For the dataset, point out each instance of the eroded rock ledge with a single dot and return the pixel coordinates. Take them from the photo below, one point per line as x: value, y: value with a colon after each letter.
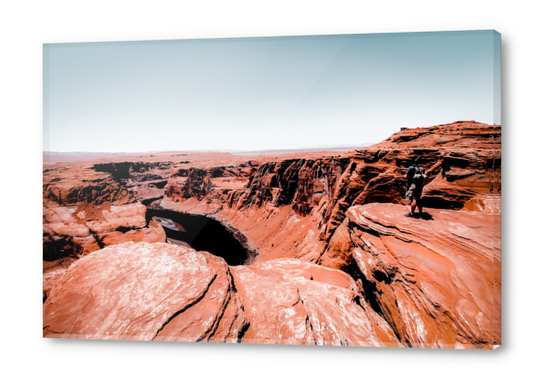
x: 145, y: 292
x: 300, y: 202
x: 165, y: 292
x: 338, y: 262
x: 436, y: 281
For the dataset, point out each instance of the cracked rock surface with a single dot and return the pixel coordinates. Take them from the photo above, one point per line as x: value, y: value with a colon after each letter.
x: 145, y: 292
x: 289, y: 301
x: 334, y: 260
x: 436, y: 281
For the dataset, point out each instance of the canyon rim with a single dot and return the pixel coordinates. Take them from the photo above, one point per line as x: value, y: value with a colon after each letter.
x: 258, y: 221
x: 302, y: 248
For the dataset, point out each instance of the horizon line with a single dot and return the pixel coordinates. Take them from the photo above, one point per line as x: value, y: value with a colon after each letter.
x: 233, y: 151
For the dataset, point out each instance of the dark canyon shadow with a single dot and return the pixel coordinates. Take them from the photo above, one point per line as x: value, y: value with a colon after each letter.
x: 201, y: 233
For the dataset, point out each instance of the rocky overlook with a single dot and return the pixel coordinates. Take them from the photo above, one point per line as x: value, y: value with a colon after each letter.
x: 333, y: 260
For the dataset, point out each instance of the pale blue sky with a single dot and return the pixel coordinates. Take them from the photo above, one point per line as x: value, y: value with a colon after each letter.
x: 264, y: 93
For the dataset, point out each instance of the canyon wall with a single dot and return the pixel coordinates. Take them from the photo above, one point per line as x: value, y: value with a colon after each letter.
x: 435, y: 280
x: 462, y: 162
x: 88, y: 207
x: 327, y: 233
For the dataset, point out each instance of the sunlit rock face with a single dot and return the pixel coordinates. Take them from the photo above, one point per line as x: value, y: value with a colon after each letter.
x: 90, y: 206
x: 288, y: 301
x: 333, y: 258
x: 435, y: 280
x: 164, y: 292
x: 145, y: 292
x: 299, y: 201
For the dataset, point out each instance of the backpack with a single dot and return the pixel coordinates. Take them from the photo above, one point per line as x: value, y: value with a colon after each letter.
x: 419, y: 173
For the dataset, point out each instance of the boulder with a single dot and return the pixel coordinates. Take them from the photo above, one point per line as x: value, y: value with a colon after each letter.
x: 84, y: 228
x: 288, y: 301
x: 435, y: 279
x: 145, y: 291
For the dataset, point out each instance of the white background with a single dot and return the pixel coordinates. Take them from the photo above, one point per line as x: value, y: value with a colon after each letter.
x: 25, y: 26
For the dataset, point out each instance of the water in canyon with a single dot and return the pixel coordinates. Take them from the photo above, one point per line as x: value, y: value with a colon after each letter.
x: 200, y: 233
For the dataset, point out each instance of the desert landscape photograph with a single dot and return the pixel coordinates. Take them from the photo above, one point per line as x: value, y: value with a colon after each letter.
x: 338, y: 190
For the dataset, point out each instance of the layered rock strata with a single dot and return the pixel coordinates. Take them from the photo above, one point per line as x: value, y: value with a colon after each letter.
x: 462, y: 161
x: 145, y: 292
x: 435, y: 280
x: 81, y: 198
x: 335, y: 259
x: 171, y: 293
x: 88, y: 207
x: 289, y: 301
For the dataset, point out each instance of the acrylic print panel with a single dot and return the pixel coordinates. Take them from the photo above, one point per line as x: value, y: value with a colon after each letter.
x: 329, y: 190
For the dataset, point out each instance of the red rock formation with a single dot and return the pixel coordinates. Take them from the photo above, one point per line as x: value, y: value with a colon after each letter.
x: 50, y: 279
x: 305, y: 209
x: 84, y: 228
x: 289, y: 301
x: 429, y: 282
x: 145, y: 292
x: 170, y: 293
x: 87, y: 207
x: 435, y: 280
x: 81, y: 199
x: 468, y: 160
x: 462, y: 161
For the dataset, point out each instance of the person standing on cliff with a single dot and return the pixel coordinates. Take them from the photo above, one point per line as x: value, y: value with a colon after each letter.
x: 416, y: 180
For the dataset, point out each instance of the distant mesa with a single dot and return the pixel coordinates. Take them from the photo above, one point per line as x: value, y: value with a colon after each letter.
x: 53, y: 156
x: 59, y: 157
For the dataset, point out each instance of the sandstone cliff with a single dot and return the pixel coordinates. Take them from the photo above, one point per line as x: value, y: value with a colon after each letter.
x: 88, y: 207
x: 333, y: 258
x: 435, y: 280
x: 462, y: 161
x: 145, y: 292
x: 170, y: 293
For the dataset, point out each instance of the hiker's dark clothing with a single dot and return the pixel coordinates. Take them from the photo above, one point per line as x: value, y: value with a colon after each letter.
x: 410, y: 173
x: 414, y: 192
x: 414, y: 186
